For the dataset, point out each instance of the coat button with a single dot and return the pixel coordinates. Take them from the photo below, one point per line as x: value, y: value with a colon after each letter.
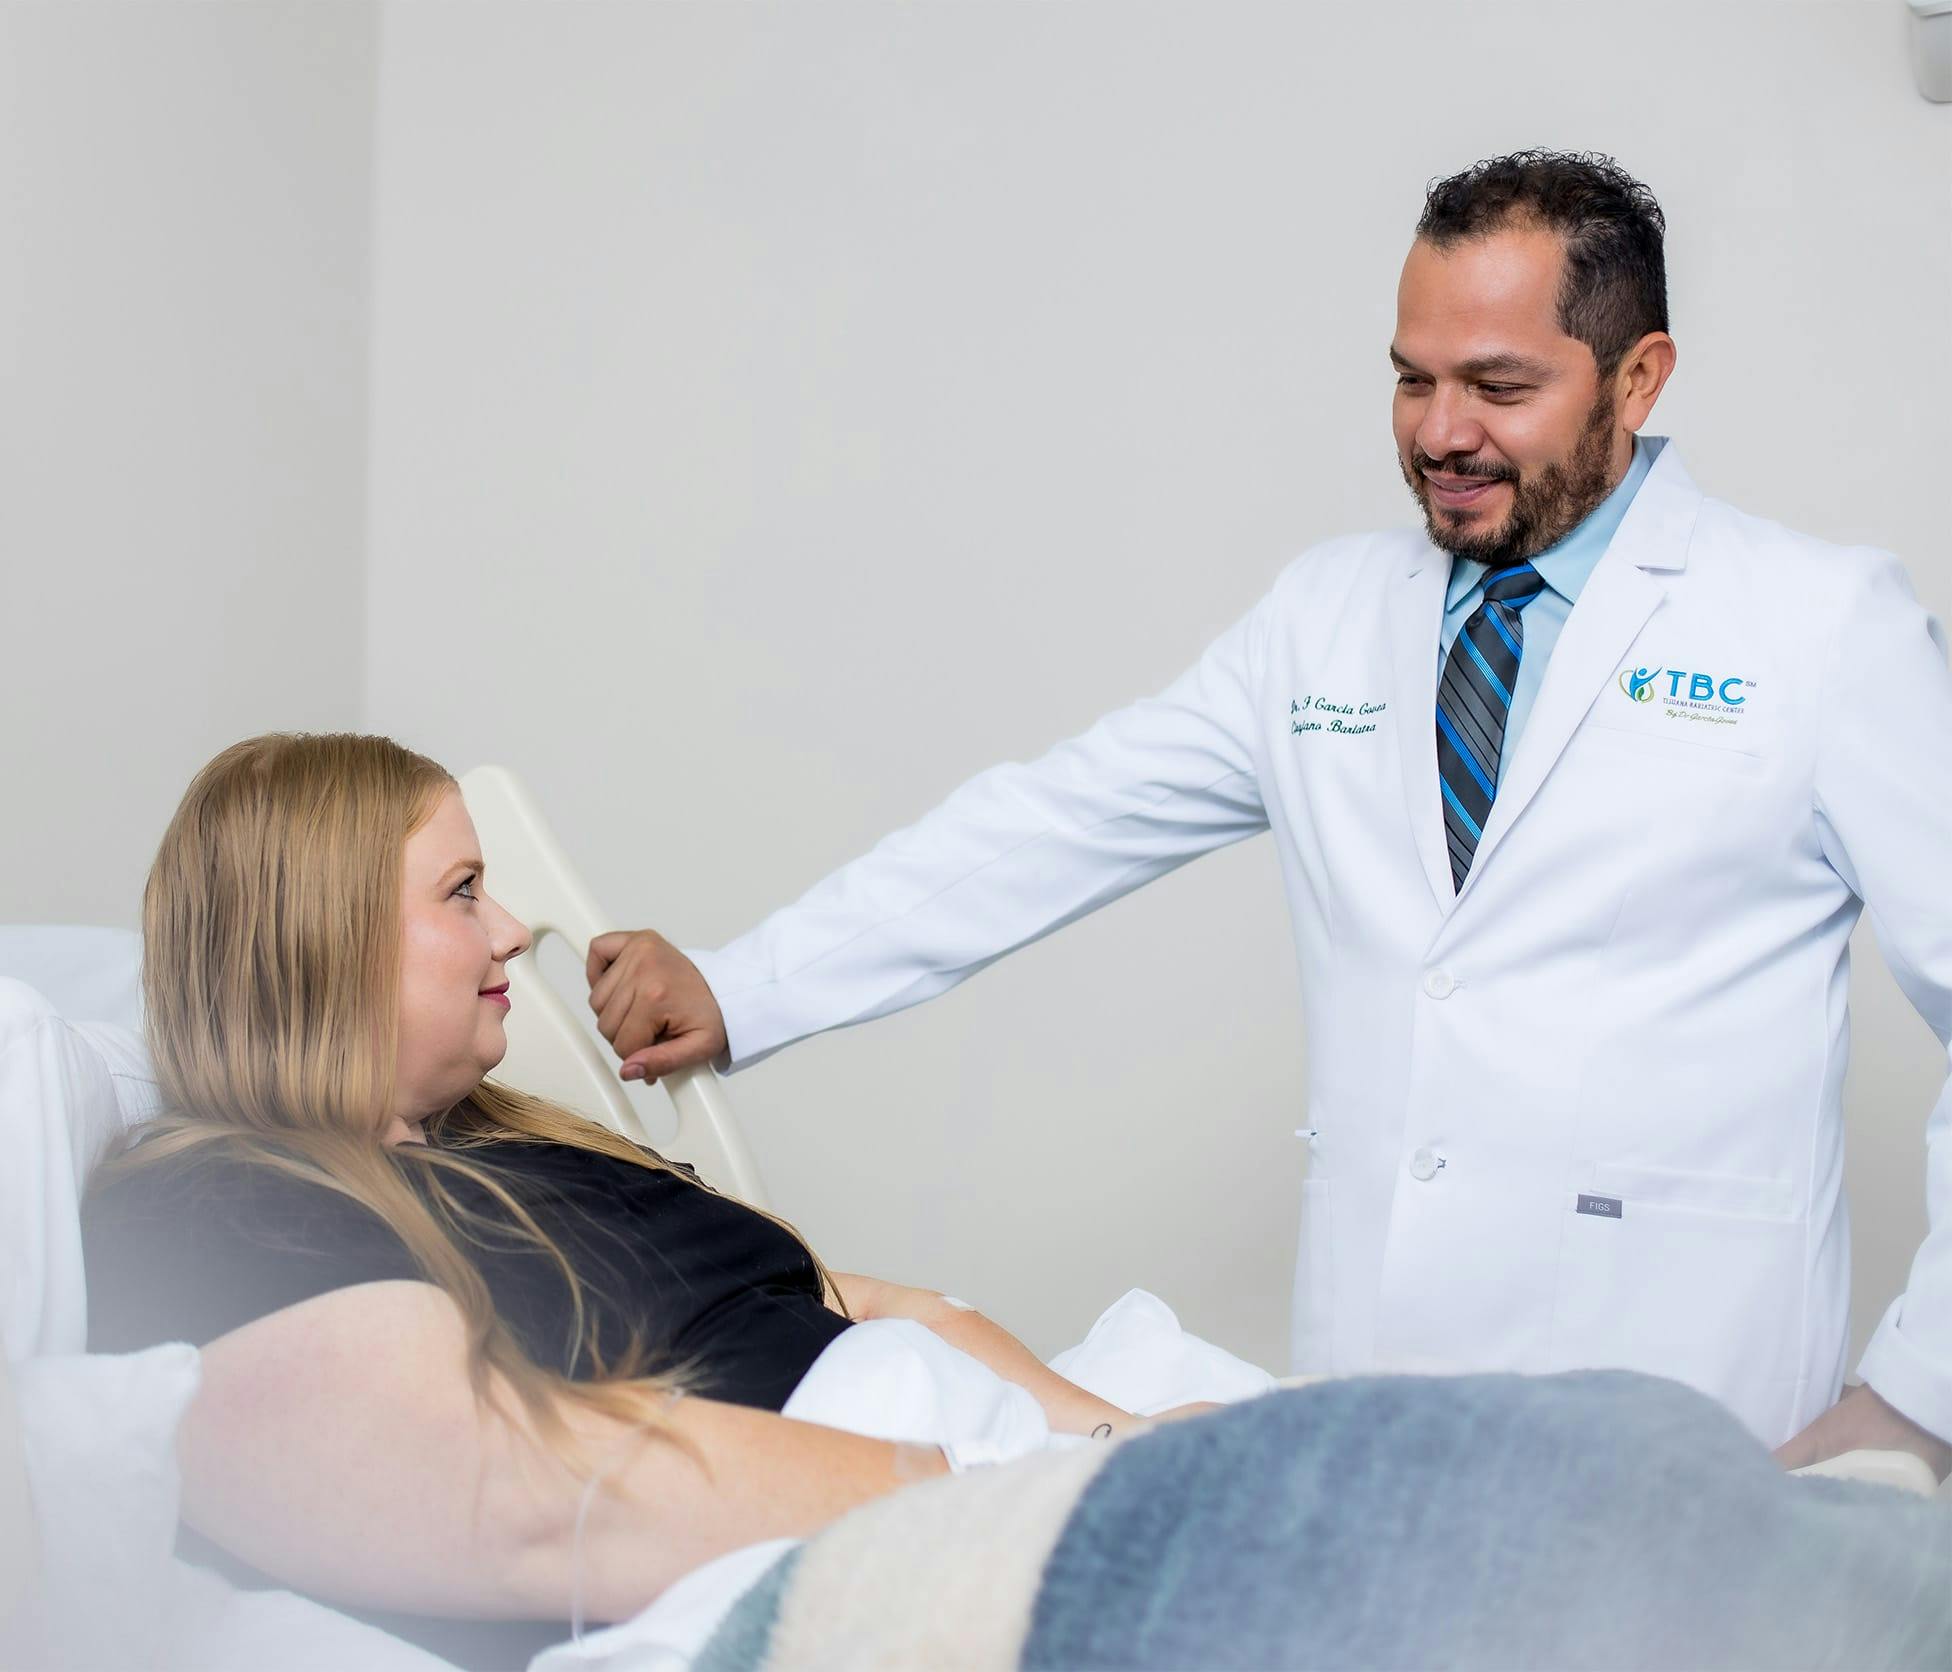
x: 1440, y: 984
x: 1423, y: 1166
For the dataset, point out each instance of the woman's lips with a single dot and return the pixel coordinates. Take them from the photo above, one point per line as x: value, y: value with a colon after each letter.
x: 496, y: 995
x: 1460, y: 493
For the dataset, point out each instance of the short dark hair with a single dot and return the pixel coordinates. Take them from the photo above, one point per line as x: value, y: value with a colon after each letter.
x: 1614, y: 288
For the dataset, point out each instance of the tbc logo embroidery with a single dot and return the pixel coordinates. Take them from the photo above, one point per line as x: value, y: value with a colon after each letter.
x: 1638, y: 683
x: 1677, y: 694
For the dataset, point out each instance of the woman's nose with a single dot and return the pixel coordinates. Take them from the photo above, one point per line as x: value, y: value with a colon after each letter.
x: 512, y: 937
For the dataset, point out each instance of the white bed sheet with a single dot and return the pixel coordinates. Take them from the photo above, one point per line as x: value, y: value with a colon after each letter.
x: 895, y: 1380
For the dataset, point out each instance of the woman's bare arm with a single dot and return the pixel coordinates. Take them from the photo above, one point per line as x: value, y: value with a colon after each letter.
x: 1070, y: 1409
x: 337, y: 1446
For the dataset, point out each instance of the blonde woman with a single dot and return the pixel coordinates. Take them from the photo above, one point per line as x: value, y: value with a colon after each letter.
x: 413, y: 1284
x: 433, y: 1311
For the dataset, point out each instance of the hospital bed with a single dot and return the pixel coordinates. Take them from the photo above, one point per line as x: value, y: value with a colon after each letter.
x: 553, y: 1051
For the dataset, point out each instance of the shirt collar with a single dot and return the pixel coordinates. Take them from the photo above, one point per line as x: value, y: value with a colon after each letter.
x: 1567, y: 564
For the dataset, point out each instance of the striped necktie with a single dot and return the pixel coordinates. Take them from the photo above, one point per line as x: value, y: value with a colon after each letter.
x: 1473, y: 702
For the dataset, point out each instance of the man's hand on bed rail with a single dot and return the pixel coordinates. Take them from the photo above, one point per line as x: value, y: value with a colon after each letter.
x: 652, y: 1004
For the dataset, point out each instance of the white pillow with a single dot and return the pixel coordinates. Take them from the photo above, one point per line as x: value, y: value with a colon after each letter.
x: 98, y: 1435
x: 59, y: 1111
x: 89, y: 974
x: 137, y: 1096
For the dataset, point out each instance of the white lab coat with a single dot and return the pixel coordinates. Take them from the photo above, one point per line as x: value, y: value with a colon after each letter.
x: 1638, y: 997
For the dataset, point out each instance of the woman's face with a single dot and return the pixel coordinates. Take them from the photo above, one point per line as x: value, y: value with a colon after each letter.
x: 455, y: 944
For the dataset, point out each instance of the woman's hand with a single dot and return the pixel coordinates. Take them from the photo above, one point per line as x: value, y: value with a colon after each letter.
x: 1067, y: 1407
x: 652, y: 1004
x: 1177, y: 1413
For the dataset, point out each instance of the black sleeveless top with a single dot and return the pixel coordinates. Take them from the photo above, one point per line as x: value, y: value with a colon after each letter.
x: 190, y: 1249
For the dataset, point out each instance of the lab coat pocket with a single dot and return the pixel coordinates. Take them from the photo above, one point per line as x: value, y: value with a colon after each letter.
x: 1677, y: 1274
x: 1673, y: 1187
x: 1314, y: 1317
x: 1641, y: 746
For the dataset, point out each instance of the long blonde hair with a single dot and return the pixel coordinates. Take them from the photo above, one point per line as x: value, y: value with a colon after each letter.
x: 270, y: 973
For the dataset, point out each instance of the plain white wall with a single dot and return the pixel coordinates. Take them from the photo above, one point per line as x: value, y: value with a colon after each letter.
x: 186, y: 191
x: 782, y: 412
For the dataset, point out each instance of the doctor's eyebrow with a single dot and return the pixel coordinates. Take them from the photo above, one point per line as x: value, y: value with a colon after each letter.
x: 1489, y: 365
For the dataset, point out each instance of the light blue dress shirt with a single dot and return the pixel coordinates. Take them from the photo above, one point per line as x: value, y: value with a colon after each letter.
x: 1565, y: 567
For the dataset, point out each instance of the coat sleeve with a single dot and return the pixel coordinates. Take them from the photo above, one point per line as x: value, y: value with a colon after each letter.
x: 1015, y: 853
x: 1884, y: 813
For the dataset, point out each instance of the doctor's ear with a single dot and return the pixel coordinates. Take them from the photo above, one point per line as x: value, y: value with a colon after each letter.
x: 1643, y: 374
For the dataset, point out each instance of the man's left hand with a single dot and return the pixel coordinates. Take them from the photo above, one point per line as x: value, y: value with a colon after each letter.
x: 1861, y: 1421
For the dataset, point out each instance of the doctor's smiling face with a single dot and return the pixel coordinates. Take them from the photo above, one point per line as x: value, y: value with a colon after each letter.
x: 1531, y: 344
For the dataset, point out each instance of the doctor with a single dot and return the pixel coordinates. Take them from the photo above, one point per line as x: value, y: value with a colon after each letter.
x: 1578, y: 792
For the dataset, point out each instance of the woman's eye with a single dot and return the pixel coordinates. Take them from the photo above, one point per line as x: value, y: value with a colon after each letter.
x: 465, y: 888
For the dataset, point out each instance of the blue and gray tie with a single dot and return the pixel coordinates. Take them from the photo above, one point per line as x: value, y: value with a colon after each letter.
x: 1473, y: 702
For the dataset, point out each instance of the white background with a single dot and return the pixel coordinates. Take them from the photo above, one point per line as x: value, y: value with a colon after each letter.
x: 749, y: 421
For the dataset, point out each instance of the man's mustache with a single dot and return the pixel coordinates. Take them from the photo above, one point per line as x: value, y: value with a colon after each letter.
x: 1421, y: 461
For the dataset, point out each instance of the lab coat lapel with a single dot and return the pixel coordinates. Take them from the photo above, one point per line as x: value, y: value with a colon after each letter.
x: 1416, y: 617
x: 1623, y: 591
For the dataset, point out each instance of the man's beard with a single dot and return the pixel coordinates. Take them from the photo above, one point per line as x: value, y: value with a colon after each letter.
x: 1545, y: 508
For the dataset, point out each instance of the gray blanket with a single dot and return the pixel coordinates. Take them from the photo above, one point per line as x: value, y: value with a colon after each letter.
x: 1600, y: 1519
